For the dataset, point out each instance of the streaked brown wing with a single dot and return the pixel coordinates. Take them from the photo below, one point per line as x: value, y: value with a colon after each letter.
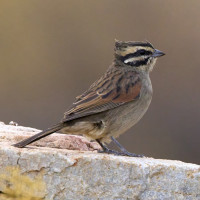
x: 106, y: 93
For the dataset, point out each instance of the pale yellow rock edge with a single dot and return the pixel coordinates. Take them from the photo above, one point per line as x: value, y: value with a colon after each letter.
x: 60, y: 174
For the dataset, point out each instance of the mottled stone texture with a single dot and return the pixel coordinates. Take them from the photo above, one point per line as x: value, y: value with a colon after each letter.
x: 76, y: 174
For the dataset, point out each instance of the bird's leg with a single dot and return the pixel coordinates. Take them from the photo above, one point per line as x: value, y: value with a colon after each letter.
x: 123, y: 150
x: 109, y: 151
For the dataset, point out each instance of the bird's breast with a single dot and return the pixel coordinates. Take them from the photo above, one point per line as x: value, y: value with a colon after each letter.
x: 124, y: 117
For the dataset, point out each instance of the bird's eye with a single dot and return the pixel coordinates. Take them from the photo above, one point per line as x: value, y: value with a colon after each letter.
x: 142, y: 52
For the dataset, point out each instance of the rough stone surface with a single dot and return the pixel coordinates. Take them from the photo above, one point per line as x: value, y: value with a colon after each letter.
x: 75, y: 174
x: 15, y: 133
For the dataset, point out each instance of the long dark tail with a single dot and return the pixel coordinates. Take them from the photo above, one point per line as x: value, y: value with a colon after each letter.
x: 38, y: 136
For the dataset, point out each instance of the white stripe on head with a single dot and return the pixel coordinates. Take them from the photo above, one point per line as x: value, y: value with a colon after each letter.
x: 132, y: 59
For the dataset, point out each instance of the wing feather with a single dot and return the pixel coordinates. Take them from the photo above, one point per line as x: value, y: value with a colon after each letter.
x: 106, y: 93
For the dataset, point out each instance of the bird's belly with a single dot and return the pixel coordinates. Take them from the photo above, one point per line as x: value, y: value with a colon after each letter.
x: 88, y: 128
x: 124, y: 117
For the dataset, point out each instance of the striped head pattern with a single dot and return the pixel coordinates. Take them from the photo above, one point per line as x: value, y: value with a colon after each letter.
x: 141, y: 55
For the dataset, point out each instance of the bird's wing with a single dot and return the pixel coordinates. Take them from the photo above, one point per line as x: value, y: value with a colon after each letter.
x: 106, y: 93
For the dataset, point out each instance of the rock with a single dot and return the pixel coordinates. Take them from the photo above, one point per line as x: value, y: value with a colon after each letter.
x: 17, y: 133
x: 61, y: 174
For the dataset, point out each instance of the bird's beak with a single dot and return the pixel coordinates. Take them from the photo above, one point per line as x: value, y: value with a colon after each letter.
x: 157, y: 53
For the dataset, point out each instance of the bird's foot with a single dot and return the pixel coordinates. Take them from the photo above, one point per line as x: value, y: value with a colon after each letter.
x: 123, y: 151
x: 132, y: 154
x: 117, y: 153
x: 110, y: 151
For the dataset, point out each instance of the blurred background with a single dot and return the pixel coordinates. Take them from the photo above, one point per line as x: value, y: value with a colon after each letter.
x: 51, y: 51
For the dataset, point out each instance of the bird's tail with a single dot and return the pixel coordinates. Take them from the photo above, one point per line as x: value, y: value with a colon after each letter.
x: 38, y: 136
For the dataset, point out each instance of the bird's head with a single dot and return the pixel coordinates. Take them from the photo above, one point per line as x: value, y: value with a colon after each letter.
x: 138, y: 55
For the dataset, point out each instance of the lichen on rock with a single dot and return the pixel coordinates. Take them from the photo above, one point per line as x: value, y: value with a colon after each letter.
x: 16, y: 186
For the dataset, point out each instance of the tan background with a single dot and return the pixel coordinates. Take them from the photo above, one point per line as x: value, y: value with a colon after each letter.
x: 51, y: 51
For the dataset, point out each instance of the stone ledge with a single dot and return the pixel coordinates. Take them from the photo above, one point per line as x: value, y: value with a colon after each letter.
x: 60, y: 141
x: 78, y: 174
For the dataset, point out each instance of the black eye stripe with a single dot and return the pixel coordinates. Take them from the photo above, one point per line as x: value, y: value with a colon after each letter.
x: 142, y: 52
x: 139, y: 53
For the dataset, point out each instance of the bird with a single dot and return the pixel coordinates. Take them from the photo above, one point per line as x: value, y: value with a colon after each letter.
x: 113, y: 103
